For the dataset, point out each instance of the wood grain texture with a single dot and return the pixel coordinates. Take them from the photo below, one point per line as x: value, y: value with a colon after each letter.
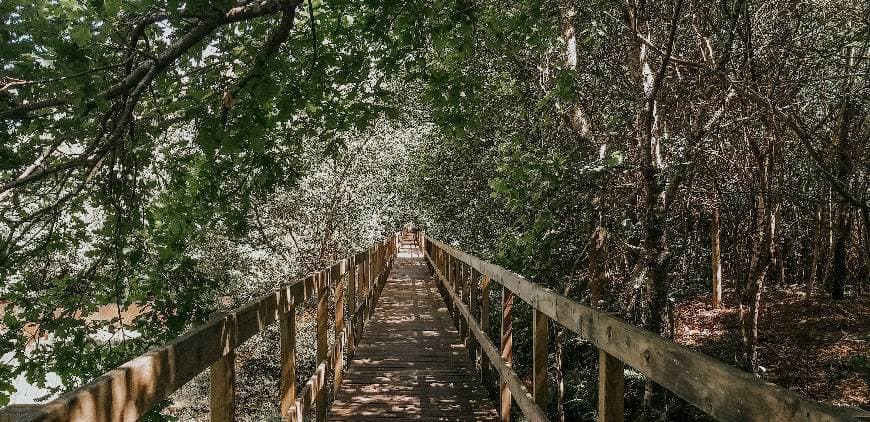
x: 287, y: 395
x: 485, y: 293
x: 411, y: 363
x: 507, y: 351
x: 222, y: 379
x: 322, y: 314
x: 611, y: 388
x: 518, y: 390
x: 540, y: 338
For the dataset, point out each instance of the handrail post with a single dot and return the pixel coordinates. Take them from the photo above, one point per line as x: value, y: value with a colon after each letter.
x: 448, y: 273
x: 223, y: 375
x: 540, y: 337
x: 611, y: 388
x: 473, y: 298
x: 457, y: 288
x: 462, y: 289
x: 507, y: 346
x: 484, y: 325
x: 322, y: 311
x: 364, y: 292
x: 287, y: 322
x: 370, y: 281
x: 351, y: 308
x: 338, y: 355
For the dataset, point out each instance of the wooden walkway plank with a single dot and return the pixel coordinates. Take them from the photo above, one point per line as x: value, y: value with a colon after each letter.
x: 411, y: 364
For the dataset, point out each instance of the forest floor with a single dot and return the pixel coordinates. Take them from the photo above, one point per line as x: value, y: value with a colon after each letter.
x: 818, y: 348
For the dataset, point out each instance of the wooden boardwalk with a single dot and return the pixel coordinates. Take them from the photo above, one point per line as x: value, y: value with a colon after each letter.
x: 411, y: 363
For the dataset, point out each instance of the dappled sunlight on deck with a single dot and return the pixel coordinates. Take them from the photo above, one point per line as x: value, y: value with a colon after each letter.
x: 411, y: 363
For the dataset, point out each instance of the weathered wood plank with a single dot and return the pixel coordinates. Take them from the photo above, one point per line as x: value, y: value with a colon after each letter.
x: 322, y: 313
x: 540, y: 338
x: 473, y: 305
x: 411, y: 365
x: 312, y: 389
x: 519, y: 392
x: 222, y: 377
x: 507, y: 351
x: 351, y: 306
x: 611, y: 390
x: 485, y: 295
x: 19, y: 412
x: 287, y: 394
x: 338, y: 359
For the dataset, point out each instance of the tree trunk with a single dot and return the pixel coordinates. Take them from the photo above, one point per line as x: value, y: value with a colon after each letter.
x: 655, y: 257
x: 715, y: 259
x: 762, y: 250
x: 750, y: 302
x: 840, y: 230
x: 575, y: 115
x: 597, y: 266
x: 817, y: 247
x: 839, y: 272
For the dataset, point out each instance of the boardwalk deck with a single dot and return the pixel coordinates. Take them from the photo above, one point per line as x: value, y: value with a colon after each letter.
x: 411, y: 363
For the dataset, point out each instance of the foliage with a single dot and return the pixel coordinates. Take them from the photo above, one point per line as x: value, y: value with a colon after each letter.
x: 171, y: 155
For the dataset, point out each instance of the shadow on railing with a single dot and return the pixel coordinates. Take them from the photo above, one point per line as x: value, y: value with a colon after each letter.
x: 722, y: 391
x: 134, y: 388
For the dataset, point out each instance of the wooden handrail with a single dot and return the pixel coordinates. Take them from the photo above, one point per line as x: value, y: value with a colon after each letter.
x: 129, y: 391
x: 720, y: 390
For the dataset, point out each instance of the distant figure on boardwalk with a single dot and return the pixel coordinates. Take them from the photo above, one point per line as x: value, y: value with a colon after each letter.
x: 409, y: 229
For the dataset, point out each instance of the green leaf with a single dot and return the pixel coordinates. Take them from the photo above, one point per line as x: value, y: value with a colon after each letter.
x: 614, y: 159
x: 81, y: 34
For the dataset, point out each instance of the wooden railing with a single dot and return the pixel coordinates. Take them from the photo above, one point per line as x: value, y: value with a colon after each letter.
x: 134, y: 388
x: 722, y: 391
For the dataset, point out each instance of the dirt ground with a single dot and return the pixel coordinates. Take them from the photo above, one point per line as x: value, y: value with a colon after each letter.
x: 819, y: 348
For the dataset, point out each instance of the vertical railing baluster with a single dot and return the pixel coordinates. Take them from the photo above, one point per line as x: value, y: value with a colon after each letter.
x: 460, y: 293
x: 322, y: 311
x: 339, y: 340
x: 507, y: 346
x: 370, y: 281
x: 484, y: 325
x: 223, y: 375
x: 540, y: 337
x: 457, y: 280
x: 466, y: 294
x: 351, y: 306
x: 364, y: 292
x: 287, y: 327
x: 473, y: 298
x: 611, y: 388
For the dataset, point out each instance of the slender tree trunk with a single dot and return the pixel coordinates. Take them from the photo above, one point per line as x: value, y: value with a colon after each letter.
x: 829, y: 242
x: 656, y: 256
x: 597, y: 266
x: 715, y: 261
x: 750, y: 303
x: 839, y: 271
x: 762, y: 250
x: 575, y: 115
x: 817, y: 247
x: 780, y: 247
x: 841, y: 223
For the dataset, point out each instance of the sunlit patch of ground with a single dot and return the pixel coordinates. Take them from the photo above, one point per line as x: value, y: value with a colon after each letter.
x: 819, y: 348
